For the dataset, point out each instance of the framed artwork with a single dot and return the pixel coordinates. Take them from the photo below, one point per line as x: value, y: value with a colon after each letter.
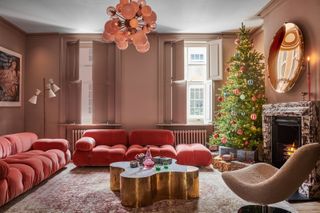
x: 10, y: 78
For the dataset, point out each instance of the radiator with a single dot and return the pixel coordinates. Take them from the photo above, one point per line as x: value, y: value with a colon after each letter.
x: 190, y: 136
x: 76, y: 134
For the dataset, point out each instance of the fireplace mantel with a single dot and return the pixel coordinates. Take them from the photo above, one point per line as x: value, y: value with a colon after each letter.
x: 308, y: 111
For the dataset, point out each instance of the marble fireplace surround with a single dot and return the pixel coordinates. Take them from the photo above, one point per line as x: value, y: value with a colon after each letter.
x: 308, y: 111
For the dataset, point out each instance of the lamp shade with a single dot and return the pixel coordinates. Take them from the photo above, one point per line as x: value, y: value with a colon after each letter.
x: 33, y: 99
x: 51, y: 94
x: 55, y: 88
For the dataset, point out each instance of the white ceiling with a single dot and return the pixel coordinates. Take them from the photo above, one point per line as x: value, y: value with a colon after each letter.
x: 174, y: 16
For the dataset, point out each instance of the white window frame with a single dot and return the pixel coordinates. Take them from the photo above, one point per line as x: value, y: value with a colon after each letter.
x: 206, y: 84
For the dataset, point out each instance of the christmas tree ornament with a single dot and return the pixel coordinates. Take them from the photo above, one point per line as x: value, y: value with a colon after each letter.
x: 250, y: 82
x: 254, y: 98
x: 246, y: 143
x: 224, y: 140
x: 253, y: 116
x: 236, y: 91
x: 242, y: 97
x: 237, y: 41
x: 243, y: 113
x: 216, y: 135
x: 253, y: 128
x: 240, y: 132
x: 225, y: 94
x: 220, y: 99
x: 242, y: 69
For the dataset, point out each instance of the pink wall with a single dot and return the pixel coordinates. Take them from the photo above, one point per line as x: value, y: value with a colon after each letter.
x: 11, y: 118
x: 306, y: 15
x: 43, y: 61
x: 139, y: 87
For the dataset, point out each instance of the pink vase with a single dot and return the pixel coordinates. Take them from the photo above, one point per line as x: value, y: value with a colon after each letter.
x: 148, y: 162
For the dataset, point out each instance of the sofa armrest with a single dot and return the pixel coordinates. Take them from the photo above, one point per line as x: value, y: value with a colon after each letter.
x: 47, y: 144
x: 4, y: 169
x: 85, y: 144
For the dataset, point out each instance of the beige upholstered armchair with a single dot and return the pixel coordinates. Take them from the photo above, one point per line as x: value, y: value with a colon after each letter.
x: 264, y: 184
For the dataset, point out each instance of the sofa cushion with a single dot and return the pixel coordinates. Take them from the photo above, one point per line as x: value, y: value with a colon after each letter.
x: 155, y: 137
x: 46, y: 144
x: 163, y: 151
x: 109, y: 137
x: 21, y: 142
x: 4, y: 169
x: 193, y: 154
x: 104, y: 155
x: 5, y: 147
x: 85, y: 144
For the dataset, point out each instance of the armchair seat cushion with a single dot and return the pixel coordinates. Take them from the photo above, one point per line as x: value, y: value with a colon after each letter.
x: 47, y: 144
x: 164, y: 151
x: 85, y: 144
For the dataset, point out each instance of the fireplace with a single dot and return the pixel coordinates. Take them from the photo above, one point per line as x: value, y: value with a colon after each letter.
x: 287, y: 126
x: 286, y: 138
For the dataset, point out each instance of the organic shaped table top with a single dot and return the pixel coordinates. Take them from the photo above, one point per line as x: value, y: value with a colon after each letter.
x: 141, y: 187
x: 140, y: 172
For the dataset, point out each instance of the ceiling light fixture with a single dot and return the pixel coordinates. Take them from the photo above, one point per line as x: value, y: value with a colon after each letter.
x: 131, y: 21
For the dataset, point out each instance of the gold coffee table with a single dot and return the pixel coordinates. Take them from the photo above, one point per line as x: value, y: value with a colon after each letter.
x: 141, y: 187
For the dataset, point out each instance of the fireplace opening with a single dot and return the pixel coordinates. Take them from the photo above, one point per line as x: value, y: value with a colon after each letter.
x: 286, y: 138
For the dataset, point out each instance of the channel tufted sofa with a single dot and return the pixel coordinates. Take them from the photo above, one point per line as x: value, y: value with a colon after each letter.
x: 25, y: 161
x: 100, y: 147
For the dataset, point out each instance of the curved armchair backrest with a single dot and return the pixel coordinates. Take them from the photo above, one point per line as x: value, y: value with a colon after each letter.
x: 296, y: 170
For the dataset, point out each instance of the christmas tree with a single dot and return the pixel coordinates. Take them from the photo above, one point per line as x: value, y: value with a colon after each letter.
x: 238, y: 119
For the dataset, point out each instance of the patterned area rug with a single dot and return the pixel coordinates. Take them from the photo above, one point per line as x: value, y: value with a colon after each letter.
x: 87, y: 190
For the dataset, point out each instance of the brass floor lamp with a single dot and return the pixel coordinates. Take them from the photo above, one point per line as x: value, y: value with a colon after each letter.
x: 50, y: 90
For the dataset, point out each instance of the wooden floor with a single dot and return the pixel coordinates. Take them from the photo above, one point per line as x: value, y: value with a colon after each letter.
x: 307, y: 207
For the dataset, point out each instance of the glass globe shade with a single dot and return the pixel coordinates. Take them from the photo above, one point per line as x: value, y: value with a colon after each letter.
x: 123, y: 2
x: 122, y: 45
x: 111, y: 11
x: 135, y: 6
x: 110, y: 27
x: 150, y: 19
x: 134, y: 23
x: 119, y: 7
x: 143, y: 49
x: 146, y: 11
x: 139, y: 38
x: 128, y: 11
x: 107, y: 37
x: 120, y: 37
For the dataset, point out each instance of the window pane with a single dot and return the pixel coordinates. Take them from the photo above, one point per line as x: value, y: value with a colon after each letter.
x: 85, y: 72
x: 196, y: 101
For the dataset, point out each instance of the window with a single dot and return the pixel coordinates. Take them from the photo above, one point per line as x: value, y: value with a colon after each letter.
x: 85, y: 75
x: 199, y: 100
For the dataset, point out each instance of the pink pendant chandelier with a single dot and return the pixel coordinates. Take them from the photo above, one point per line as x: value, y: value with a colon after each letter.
x: 131, y: 21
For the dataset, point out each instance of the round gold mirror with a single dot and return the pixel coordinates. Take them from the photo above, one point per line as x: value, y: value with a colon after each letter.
x: 285, y: 57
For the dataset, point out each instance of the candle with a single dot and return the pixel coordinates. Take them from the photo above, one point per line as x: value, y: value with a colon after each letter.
x: 309, y: 79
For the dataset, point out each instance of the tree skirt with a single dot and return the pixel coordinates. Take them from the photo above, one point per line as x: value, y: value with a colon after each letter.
x: 87, y: 190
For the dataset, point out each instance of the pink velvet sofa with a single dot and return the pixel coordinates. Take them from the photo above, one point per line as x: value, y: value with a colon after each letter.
x: 25, y: 161
x: 101, y: 147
